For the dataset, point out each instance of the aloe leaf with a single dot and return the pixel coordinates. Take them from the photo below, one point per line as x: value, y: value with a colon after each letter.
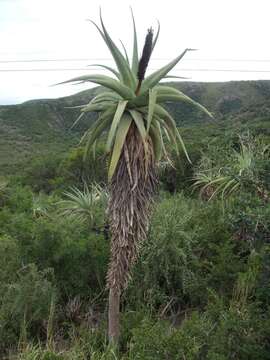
x: 137, y: 117
x: 116, y: 73
x: 170, y: 124
x: 217, y: 191
x: 151, y: 107
x: 154, y: 78
x: 120, y: 138
x: 157, y: 124
x: 76, y: 121
x: 125, y: 51
x: 106, y: 81
x: 227, y: 186
x: 156, y: 37
x: 96, y: 130
x: 176, y: 77
x: 135, y: 56
x: 116, y: 119
x: 106, y: 96
x: 170, y: 134
x: 166, y: 93
x: 122, y: 65
x: 156, y: 141
x: 95, y: 107
x: 179, y: 137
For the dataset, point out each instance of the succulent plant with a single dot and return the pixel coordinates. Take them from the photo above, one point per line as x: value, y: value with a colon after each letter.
x: 132, y: 115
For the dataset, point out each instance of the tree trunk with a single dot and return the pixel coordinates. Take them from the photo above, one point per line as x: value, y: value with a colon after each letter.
x: 132, y: 191
x: 114, y: 316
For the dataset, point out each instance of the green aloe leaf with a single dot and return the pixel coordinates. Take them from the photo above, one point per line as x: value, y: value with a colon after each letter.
x: 166, y: 93
x: 138, y: 119
x: 116, y: 73
x: 156, y: 124
x: 116, y: 119
x: 106, y: 81
x: 151, y: 107
x: 154, y: 78
x: 122, y: 65
x: 156, y: 37
x: 170, y: 134
x: 125, y: 51
x: 155, y: 137
x: 95, y: 107
x: 77, y: 120
x: 120, y: 138
x: 97, y: 129
x: 106, y: 96
x: 176, y: 77
x: 171, y: 127
x: 179, y: 137
x: 135, y: 56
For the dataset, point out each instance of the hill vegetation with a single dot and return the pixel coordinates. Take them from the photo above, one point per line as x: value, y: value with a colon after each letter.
x: 201, y: 288
x: 41, y: 126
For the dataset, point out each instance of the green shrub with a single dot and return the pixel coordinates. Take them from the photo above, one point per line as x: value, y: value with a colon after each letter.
x: 189, y: 249
x: 25, y: 305
x: 9, y: 262
x: 76, y: 171
x: 42, y: 172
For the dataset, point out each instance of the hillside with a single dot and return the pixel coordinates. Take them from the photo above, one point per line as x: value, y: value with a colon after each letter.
x: 39, y: 126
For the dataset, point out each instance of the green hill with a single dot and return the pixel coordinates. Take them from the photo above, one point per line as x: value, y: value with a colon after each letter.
x: 42, y: 126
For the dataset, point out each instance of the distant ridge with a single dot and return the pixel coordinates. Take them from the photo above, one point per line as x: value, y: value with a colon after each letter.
x: 40, y: 125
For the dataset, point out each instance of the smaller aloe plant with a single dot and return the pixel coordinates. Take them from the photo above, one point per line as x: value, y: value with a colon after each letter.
x: 224, y: 181
x: 80, y: 205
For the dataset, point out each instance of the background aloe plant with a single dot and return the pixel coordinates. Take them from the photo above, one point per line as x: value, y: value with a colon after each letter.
x: 136, y: 123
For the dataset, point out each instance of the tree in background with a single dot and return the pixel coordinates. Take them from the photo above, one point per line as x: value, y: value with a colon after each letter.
x: 131, y: 113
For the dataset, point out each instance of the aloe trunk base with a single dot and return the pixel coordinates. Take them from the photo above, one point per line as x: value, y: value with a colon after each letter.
x: 132, y: 192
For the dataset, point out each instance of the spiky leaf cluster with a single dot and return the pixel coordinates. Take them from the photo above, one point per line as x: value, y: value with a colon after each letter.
x: 132, y: 100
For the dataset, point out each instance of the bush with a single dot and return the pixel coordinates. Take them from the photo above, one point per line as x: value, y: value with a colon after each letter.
x: 25, y: 305
x: 10, y: 262
x: 189, y: 249
x: 76, y: 171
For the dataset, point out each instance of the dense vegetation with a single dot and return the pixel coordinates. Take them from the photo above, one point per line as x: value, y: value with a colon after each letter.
x: 201, y: 288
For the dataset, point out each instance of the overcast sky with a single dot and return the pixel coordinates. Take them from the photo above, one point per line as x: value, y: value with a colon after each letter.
x: 232, y: 37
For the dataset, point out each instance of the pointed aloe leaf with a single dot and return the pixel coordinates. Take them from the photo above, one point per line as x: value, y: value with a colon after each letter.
x: 227, y: 186
x: 176, y: 77
x: 158, y: 127
x: 122, y: 65
x: 154, y: 78
x: 171, y: 135
x: 113, y: 71
x: 95, y: 107
x: 156, y: 37
x: 138, y: 119
x: 125, y: 51
x: 98, y: 127
x: 76, y: 121
x: 106, y: 96
x: 116, y: 119
x: 166, y: 93
x: 120, y: 138
x: 178, y: 135
x: 106, y: 81
x: 151, y: 107
x: 171, y: 127
x: 156, y: 141
x: 135, y: 56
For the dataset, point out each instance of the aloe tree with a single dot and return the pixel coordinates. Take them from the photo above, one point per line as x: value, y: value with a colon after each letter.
x: 131, y: 113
